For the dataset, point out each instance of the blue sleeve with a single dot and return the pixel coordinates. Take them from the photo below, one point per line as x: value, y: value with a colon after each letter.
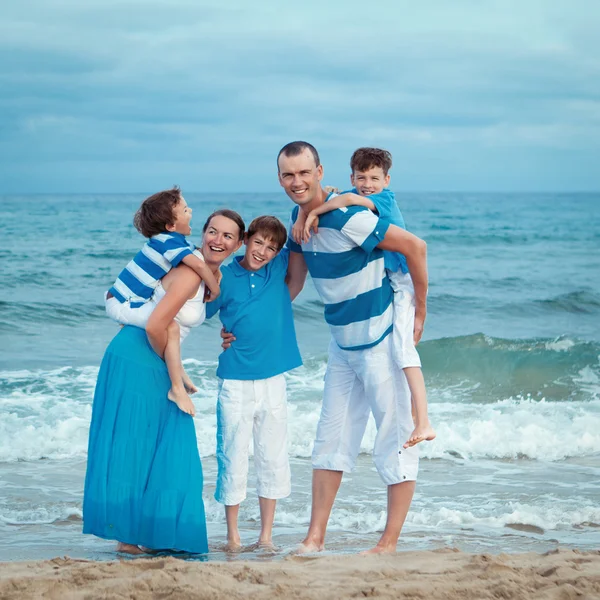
x: 384, y: 203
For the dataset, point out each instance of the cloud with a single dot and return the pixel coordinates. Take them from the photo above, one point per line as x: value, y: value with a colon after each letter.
x: 206, y: 93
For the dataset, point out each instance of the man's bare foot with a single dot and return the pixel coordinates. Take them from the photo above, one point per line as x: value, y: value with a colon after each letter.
x: 233, y: 545
x: 183, y: 401
x: 380, y: 549
x: 128, y: 549
x: 146, y: 550
x: 188, y: 384
x: 420, y: 434
x: 309, y: 546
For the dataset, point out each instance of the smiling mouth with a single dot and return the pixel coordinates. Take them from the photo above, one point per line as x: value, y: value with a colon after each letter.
x: 216, y: 249
x: 258, y: 258
x: 300, y: 191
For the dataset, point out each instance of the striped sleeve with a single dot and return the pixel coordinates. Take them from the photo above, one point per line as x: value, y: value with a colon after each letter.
x: 173, y: 249
x: 364, y: 228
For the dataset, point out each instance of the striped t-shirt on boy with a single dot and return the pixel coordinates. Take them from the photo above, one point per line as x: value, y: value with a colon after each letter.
x: 138, y: 280
x: 349, y: 274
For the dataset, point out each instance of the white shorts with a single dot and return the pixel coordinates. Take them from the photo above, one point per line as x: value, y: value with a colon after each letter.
x: 405, y: 353
x: 356, y: 383
x: 245, y: 410
x: 122, y: 313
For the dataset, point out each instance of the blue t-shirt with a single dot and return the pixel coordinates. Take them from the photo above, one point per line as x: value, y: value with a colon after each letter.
x: 256, y: 307
x: 385, y: 204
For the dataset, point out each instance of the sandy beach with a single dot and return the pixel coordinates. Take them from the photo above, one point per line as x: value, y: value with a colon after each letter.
x: 443, y: 574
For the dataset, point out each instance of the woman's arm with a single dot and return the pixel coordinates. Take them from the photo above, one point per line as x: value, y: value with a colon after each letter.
x: 183, y: 285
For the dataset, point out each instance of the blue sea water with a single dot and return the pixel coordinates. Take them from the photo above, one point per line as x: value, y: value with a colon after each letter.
x: 511, y: 356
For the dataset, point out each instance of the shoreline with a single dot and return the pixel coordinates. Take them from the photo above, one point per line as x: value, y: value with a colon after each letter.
x: 437, y: 574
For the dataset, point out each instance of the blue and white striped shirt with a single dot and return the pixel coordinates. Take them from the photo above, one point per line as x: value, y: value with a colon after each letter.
x: 138, y: 280
x: 349, y: 274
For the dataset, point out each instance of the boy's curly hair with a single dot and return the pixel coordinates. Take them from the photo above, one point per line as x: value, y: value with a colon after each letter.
x: 364, y: 159
x: 156, y: 212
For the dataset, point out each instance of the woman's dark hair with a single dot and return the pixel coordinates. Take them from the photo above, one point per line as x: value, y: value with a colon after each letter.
x: 156, y: 212
x: 269, y: 227
x: 230, y: 214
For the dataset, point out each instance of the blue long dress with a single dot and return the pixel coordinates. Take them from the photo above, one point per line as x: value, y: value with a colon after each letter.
x: 144, y: 480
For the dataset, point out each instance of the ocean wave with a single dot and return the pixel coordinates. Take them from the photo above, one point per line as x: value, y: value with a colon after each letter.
x: 580, y: 301
x: 17, y: 315
x: 46, y: 414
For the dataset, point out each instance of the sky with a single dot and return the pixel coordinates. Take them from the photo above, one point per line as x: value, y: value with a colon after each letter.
x: 110, y: 96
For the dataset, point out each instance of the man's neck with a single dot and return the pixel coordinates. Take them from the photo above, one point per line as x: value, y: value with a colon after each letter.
x: 317, y: 201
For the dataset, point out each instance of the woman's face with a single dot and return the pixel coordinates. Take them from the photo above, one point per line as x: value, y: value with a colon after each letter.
x: 220, y: 240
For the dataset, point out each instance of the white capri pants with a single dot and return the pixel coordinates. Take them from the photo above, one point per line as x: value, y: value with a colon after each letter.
x: 405, y: 353
x: 252, y: 410
x: 356, y: 383
x: 122, y: 313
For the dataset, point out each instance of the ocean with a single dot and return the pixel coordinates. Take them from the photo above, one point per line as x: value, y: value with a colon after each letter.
x: 511, y: 358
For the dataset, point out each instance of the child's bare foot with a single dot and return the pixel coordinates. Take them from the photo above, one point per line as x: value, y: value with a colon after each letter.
x: 421, y: 433
x: 183, y: 401
x: 129, y: 549
x: 380, y: 549
x: 188, y: 384
x: 233, y: 544
x: 309, y: 545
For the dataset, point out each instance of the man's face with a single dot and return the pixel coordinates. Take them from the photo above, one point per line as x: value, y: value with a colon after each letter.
x: 370, y: 182
x: 300, y: 177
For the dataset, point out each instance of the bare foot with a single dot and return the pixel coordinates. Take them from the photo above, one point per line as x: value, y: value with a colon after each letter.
x: 380, y: 549
x: 146, y: 550
x: 233, y: 546
x: 128, y: 549
x: 183, y: 401
x: 423, y: 433
x: 309, y: 546
x: 188, y: 384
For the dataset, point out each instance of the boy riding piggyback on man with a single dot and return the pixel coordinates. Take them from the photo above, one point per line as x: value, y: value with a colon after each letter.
x: 370, y: 178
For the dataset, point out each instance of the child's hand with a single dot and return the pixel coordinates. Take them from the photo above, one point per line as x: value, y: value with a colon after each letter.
x: 312, y: 222
x: 210, y: 296
x: 297, y: 232
x: 330, y: 189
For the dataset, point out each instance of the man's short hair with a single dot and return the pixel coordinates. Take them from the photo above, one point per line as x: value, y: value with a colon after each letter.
x: 270, y: 228
x: 297, y: 148
x: 364, y: 159
x: 156, y: 212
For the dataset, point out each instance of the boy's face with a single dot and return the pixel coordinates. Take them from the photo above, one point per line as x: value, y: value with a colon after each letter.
x: 370, y: 182
x: 182, y: 215
x: 259, y: 252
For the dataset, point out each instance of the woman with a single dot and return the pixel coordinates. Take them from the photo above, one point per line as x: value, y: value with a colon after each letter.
x: 144, y: 481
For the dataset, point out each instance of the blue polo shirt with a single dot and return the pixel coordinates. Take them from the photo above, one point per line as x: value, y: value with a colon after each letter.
x: 256, y: 307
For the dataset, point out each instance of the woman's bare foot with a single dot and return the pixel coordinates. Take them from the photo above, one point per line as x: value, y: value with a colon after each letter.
x: 309, y: 545
x: 128, y: 549
x: 183, y: 401
x: 421, y: 433
x: 188, y: 384
x: 233, y: 545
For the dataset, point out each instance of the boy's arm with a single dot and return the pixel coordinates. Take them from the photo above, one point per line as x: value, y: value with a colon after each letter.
x: 202, y: 269
x: 414, y: 249
x: 341, y: 201
x: 298, y: 228
x: 296, y: 273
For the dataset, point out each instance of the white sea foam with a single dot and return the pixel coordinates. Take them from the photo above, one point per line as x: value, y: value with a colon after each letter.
x: 46, y: 414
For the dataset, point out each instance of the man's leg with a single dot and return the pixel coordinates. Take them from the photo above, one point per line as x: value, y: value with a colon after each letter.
x: 344, y: 416
x: 387, y: 391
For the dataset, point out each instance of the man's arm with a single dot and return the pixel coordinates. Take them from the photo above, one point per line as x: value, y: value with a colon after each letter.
x: 202, y: 269
x: 415, y: 250
x: 296, y: 274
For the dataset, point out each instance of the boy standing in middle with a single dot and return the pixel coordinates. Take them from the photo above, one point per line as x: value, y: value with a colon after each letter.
x: 255, y: 307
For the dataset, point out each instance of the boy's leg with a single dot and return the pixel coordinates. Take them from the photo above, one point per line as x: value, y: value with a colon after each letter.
x: 387, y: 391
x: 344, y: 416
x: 407, y: 357
x: 235, y: 410
x: 271, y: 458
x: 177, y: 392
x: 423, y: 430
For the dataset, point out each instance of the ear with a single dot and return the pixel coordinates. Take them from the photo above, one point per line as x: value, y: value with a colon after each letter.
x: 245, y: 239
x: 352, y: 179
x: 320, y: 172
x: 170, y: 227
x: 239, y: 245
x: 386, y: 180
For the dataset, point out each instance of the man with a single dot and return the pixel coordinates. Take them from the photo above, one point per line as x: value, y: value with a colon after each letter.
x: 346, y: 263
